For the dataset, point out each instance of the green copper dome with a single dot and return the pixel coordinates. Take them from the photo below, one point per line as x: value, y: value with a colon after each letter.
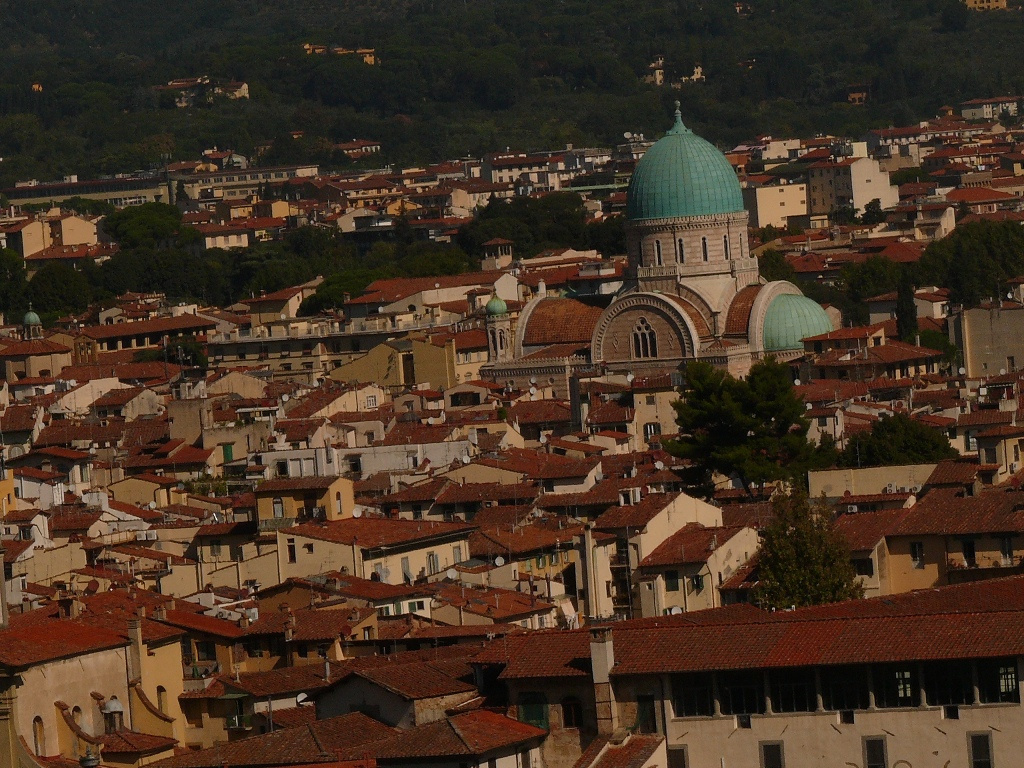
x: 682, y: 175
x: 496, y: 306
x: 789, y: 319
x: 31, y: 318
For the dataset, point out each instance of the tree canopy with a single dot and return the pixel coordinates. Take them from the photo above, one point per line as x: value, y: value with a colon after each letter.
x: 975, y: 260
x: 896, y: 440
x: 803, y: 561
x: 751, y: 429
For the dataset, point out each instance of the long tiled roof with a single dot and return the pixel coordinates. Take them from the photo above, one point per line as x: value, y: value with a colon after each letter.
x: 978, y: 620
x: 693, y: 543
x: 561, y: 321
x: 370, y: 532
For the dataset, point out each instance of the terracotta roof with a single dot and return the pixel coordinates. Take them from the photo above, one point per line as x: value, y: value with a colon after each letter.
x: 863, y: 530
x: 475, y: 733
x: 699, y: 321
x: 634, y: 752
x: 962, y: 471
x: 198, y: 622
x: 540, y: 412
x: 456, y: 493
x: 738, y: 319
x: 635, y: 515
x: 27, y: 644
x: 693, y: 543
x: 316, y: 742
x: 561, y: 321
x: 132, y: 742
x: 420, y: 679
x: 160, y: 325
x: 311, y: 483
x: 369, y: 532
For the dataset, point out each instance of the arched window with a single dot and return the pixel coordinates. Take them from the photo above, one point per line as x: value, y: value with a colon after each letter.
x: 680, y: 252
x: 572, y: 712
x: 657, y: 253
x: 645, y: 342
x: 494, y: 340
x: 704, y: 248
x: 502, y: 341
x: 161, y: 699
x: 38, y: 737
x: 725, y: 244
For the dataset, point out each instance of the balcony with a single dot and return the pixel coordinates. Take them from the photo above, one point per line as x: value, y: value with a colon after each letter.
x: 239, y: 722
x: 276, y: 523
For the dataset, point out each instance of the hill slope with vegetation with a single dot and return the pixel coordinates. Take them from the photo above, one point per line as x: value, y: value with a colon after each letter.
x: 456, y: 78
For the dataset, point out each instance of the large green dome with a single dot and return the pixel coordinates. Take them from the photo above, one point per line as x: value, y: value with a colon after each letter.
x: 790, y: 318
x: 682, y: 175
x: 496, y: 306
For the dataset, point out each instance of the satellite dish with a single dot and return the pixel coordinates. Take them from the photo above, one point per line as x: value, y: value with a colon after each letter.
x: 533, y: 390
x: 543, y: 439
x: 1009, y: 294
x: 466, y: 459
x: 430, y: 420
x: 1002, y: 371
x: 152, y: 505
x: 302, y: 698
x: 385, y: 574
x: 357, y: 513
x: 796, y: 382
x: 962, y: 370
x: 629, y: 378
x: 676, y: 610
x: 284, y: 316
x: 284, y: 398
x: 808, y: 406
x: 499, y: 561
x: 533, y: 379
x: 659, y: 465
x: 627, y: 135
x: 452, y: 574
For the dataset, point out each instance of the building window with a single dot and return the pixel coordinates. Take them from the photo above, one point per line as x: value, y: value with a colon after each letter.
x: 772, y: 755
x: 680, y: 252
x: 646, y: 714
x: 948, y: 684
x: 692, y: 695
x: 651, y: 429
x: 678, y: 757
x: 698, y: 582
x: 725, y: 245
x: 206, y: 650
x: 645, y: 341
x: 970, y: 555
x: 161, y: 699
x: 278, y: 507
x: 533, y: 709
x: 215, y: 548
x: 917, y: 554
x: 371, y: 401
x: 572, y: 712
x: 704, y: 248
x: 997, y: 681
x: 863, y: 566
x: 741, y: 693
x: 874, y: 752
x: 793, y: 690
x: 671, y: 581
x: 896, y: 686
x: 38, y: 737
x: 291, y: 550
x: 433, y: 564
x: 657, y: 253
x: 845, y: 688
x: 980, y: 748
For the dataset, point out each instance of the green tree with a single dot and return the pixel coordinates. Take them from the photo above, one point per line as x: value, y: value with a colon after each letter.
x: 152, y: 225
x: 803, y: 561
x: 906, y: 310
x: 57, y: 288
x: 896, y: 440
x: 773, y: 266
x: 975, y: 260
x: 753, y: 429
x: 873, y: 213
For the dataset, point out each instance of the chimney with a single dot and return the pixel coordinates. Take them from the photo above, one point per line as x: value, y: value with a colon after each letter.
x: 135, y: 649
x: 542, y: 288
x: 602, y: 660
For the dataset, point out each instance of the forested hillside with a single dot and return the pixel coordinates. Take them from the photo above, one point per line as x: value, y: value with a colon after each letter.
x: 77, y: 77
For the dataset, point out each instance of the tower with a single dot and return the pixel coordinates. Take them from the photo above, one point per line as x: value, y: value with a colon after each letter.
x: 499, y: 331
x: 31, y: 325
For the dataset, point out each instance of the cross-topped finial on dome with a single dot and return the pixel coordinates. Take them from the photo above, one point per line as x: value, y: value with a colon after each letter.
x: 678, y: 126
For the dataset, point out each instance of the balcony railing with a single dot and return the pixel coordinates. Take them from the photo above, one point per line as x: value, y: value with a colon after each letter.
x: 239, y: 722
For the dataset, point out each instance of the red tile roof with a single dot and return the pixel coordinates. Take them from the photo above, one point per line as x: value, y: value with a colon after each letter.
x: 693, y: 543
x: 369, y: 532
x: 634, y: 752
x: 561, y: 321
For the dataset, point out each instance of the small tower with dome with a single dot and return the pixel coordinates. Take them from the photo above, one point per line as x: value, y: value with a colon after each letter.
x: 31, y: 325
x: 499, y: 330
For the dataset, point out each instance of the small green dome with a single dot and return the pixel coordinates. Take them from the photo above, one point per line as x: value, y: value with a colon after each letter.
x: 682, y: 175
x: 31, y: 318
x: 496, y: 306
x: 791, y: 318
